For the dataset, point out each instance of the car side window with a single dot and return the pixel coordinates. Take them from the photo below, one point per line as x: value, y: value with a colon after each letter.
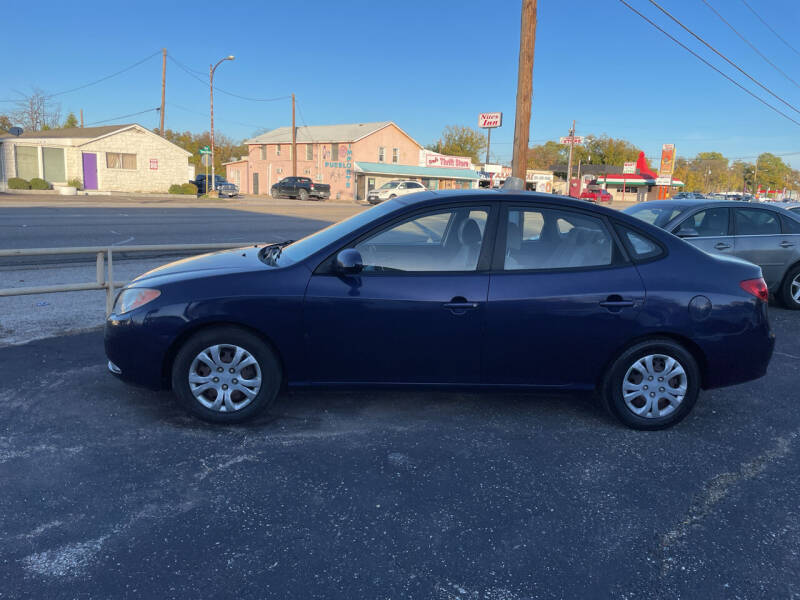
x: 752, y: 221
x: 789, y: 225
x: 402, y: 186
x: 564, y: 240
x: 639, y: 246
x: 712, y: 222
x: 445, y: 240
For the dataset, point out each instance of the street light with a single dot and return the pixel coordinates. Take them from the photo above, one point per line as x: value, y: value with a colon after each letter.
x: 211, y: 70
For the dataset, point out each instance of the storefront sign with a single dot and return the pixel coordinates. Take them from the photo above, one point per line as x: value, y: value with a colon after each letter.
x: 667, y: 160
x: 537, y: 176
x: 629, y: 168
x: 450, y: 162
x: 664, y: 180
x: 571, y: 139
x: 489, y: 120
x: 154, y: 164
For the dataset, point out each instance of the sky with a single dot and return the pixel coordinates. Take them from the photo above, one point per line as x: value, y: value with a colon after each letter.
x: 423, y: 65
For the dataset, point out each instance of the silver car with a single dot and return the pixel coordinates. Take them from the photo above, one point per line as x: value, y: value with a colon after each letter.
x: 766, y: 235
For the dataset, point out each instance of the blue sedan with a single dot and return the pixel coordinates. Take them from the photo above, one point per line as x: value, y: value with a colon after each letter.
x: 483, y: 289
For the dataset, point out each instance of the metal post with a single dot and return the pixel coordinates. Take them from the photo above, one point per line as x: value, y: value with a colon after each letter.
x: 569, y: 162
x: 110, y: 284
x: 488, y: 143
x: 211, y: 70
x: 294, y: 142
x: 101, y: 276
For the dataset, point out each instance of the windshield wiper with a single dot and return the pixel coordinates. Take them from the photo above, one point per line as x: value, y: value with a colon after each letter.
x: 271, y: 252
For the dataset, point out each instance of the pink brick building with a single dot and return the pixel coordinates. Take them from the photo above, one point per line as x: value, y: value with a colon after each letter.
x: 351, y: 158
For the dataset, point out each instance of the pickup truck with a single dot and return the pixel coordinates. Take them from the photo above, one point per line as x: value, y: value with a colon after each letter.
x: 222, y: 185
x: 300, y: 187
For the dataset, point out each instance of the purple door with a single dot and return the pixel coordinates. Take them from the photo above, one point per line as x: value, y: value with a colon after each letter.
x: 89, y: 171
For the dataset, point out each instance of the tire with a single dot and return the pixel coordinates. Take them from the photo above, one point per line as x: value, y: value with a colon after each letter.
x: 629, y: 372
x: 212, y: 404
x: 302, y: 194
x: 790, y: 289
x: 393, y: 196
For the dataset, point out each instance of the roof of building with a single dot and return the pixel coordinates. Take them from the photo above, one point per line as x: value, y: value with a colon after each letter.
x: 348, y: 132
x: 71, y: 132
x: 411, y: 171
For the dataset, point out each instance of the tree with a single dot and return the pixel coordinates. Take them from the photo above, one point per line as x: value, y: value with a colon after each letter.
x: 224, y: 147
x: 458, y: 140
x: 36, y: 113
x: 71, y: 121
x: 772, y: 171
x: 5, y: 123
x: 545, y: 156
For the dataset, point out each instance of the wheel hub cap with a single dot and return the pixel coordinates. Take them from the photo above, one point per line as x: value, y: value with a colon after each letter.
x: 795, y: 291
x: 225, y: 378
x: 654, y: 386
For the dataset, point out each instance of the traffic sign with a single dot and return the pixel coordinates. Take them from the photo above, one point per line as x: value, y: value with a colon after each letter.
x: 205, y: 150
x: 205, y: 158
x: 572, y: 139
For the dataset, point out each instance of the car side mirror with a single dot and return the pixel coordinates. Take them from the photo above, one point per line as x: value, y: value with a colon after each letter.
x: 349, y: 262
x: 687, y: 232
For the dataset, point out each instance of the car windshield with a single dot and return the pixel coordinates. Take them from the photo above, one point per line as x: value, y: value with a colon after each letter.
x: 302, y: 249
x: 655, y: 215
x: 390, y: 185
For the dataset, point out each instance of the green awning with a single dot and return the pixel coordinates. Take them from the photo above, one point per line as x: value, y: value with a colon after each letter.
x: 409, y: 171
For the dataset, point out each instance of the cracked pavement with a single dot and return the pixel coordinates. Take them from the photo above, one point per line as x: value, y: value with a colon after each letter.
x: 112, y: 491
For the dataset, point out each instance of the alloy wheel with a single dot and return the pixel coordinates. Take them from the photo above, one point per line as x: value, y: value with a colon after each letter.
x: 654, y: 386
x: 224, y: 377
x: 795, y: 288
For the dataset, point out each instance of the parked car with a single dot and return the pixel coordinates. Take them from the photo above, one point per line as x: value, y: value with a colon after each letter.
x: 301, y: 188
x: 689, y: 196
x: 393, y: 189
x: 792, y: 206
x: 451, y: 289
x: 762, y: 234
x: 596, y: 195
x: 224, y: 187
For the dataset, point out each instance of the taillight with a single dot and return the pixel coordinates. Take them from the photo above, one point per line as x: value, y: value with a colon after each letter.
x: 312, y: 186
x: 756, y: 287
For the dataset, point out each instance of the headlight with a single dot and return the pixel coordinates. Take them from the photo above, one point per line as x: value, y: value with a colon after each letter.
x: 134, y: 298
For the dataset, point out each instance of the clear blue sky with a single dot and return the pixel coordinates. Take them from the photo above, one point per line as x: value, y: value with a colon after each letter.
x: 423, y: 65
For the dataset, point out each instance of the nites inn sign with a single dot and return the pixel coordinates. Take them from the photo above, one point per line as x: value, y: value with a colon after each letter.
x: 488, y: 120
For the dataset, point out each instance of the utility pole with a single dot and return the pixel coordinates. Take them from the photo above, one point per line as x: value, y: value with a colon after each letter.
x: 569, y: 162
x: 522, y: 120
x: 81, y: 118
x: 163, y: 87
x: 211, y: 69
x: 294, y: 143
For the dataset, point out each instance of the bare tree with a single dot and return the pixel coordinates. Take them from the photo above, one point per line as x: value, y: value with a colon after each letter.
x: 35, y: 112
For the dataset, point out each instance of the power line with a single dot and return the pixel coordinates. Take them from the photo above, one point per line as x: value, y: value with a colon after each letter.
x: 777, y: 35
x: 723, y: 57
x: 191, y: 72
x: 124, y: 116
x: 85, y: 85
x: 746, y: 41
x: 708, y: 64
x: 216, y: 118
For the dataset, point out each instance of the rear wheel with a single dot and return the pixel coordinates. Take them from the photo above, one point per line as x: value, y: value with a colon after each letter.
x: 303, y: 194
x: 226, y: 375
x: 790, y: 290
x: 392, y: 197
x: 652, y: 385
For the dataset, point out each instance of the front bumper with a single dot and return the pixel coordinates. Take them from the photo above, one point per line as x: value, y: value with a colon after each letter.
x: 135, y: 352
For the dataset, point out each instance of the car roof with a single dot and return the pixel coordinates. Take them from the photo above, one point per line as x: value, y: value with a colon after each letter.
x: 686, y: 202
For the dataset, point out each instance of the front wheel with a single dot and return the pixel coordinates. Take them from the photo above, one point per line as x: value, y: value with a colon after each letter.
x: 790, y: 290
x: 652, y: 385
x: 226, y: 375
x: 303, y: 194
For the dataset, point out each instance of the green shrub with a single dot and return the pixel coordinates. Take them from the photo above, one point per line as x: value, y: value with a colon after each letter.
x: 76, y: 183
x: 39, y: 184
x: 183, y: 188
x: 17, y: 183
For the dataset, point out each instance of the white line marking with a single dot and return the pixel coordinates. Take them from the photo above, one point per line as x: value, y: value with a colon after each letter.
x: 130, y: 239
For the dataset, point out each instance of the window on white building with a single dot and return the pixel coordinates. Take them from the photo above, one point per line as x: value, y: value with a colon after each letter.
x: 120, y: 160
x: 381, y: 154
x: 53, y: 163
x: 309, y: 152
x: 395, y: 155
x: 27, y: 162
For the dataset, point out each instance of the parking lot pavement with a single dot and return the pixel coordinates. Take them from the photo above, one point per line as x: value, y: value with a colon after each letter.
x: 111, y: 491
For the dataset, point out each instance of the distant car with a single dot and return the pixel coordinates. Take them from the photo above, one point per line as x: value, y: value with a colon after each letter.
x: 596, y: 195
x: 792, y: 206
x: 224, y: 187
x: 765, y: 235
x: 393, y: 189
x: 301, y: 188
x: 689, y: 196
x: 453, y: 289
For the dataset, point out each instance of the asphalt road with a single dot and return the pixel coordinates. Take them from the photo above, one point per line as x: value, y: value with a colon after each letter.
x: 110, y: 491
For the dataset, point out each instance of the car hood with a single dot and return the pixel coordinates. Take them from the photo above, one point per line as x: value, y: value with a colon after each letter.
x: 225, y: 261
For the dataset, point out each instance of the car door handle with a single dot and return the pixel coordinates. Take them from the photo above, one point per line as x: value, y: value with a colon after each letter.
x: 786, y: 244
x: 721, y: 246
x: 616, y: 301
x: 459, y: 304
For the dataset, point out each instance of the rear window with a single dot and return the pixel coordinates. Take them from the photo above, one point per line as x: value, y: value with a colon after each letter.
x: 654, y: 215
